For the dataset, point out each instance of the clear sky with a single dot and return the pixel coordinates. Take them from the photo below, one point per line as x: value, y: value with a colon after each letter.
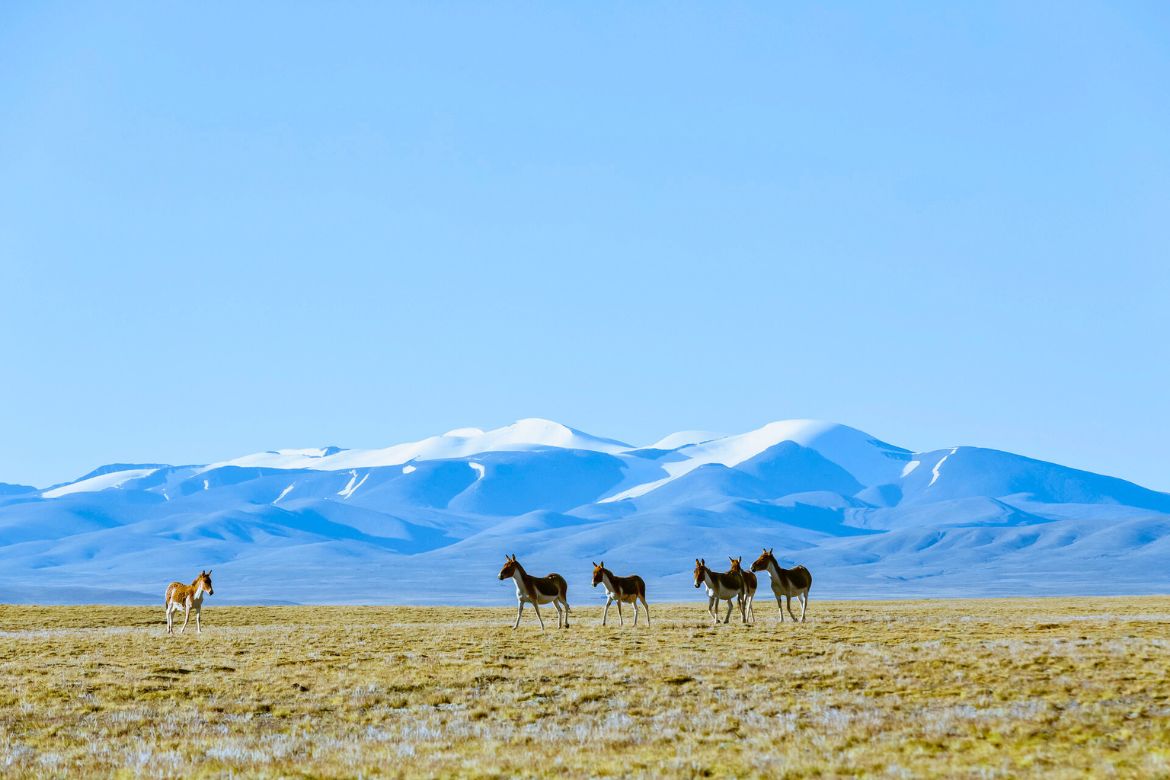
x: 236, y: 227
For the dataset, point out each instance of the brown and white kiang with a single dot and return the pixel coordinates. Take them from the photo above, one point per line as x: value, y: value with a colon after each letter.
x: 536, y: 591
x: 188, y: 599
x: 721, y: 586
x: 630, y: 590
x: 786, y: 582
x: 749, y: 587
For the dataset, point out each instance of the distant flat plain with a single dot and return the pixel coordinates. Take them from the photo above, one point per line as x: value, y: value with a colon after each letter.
x: 1009, y: 687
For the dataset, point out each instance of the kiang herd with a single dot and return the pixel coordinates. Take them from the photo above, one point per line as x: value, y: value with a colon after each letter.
x: 736, y: 584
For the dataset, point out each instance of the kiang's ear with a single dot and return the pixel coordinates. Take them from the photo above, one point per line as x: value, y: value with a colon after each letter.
x: 209, y: 572
x: 770, y: 549
x: 602, y: 564
x: 704, y: 561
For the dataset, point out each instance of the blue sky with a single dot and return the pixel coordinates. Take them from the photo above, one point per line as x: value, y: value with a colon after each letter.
x: 229, y: 229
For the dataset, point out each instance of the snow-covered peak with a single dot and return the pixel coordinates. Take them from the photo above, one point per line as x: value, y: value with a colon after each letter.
x: 464, y: 433
x: 870, y: 461
x: 527, y: 434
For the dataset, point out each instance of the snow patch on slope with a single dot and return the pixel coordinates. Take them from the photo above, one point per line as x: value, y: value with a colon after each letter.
x: 352, y: 486
x: 934, y: 473
x: 113, y: 479
x: 683, y: 438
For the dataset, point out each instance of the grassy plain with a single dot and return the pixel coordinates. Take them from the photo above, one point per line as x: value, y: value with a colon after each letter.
x: 1053, y: 687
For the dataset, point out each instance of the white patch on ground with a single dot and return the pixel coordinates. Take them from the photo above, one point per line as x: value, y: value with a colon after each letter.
x: 353, y: 484
x: 285, y: 492
x: 908, y: 469
x: 206, y: 485
x: 409, y: 469
x: 478, y: 468
x: 937, y: 466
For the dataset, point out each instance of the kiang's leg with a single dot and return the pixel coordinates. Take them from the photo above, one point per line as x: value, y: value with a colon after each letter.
x: 803, y: 605
x: 727, y: 618
x: 621, y: 617
x: 519, y: 612
x: 538, y: 616
x: 646, y: 607
x: 198, y: 625
x: 790, y: 612
x: 186, y: 617
x: 605, y: 614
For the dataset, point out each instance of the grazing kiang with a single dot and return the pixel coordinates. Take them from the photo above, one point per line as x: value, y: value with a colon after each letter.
x: 721, y: 586
x: 630, y: 589
x: 786, y: 582
x: 537, y: 591
x: 188, y: 599
x: 749, y: 587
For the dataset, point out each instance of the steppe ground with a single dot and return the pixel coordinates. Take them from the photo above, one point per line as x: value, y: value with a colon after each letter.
x: 1053, y: 687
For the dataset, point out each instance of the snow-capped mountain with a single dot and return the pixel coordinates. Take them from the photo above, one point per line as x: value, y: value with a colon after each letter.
x: 334, y: 525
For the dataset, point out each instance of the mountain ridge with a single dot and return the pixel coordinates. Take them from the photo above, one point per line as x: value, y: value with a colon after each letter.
x: 871, y: 518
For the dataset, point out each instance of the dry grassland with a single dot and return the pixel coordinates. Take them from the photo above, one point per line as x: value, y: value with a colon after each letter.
x: 1052, y: 687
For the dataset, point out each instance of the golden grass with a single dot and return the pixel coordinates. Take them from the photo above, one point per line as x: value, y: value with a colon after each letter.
x: 1053, y: 687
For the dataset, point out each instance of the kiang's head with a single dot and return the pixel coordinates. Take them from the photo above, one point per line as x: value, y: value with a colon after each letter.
x: 762, y: 562
x: 204, y: 581
x: 510, y: 566
x: 735, y: 564
x: 598, y: 568
x: 700, y: 571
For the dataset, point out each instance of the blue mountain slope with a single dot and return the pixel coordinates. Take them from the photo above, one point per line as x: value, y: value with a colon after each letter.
x: 869, y: 518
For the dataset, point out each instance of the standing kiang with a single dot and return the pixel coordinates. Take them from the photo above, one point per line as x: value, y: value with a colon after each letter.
x: 537, y: 591
x: 630, y: 589
x: 188, y: 599
x: 749, y: 587
x: 721, y: 586
x: 786, y: 582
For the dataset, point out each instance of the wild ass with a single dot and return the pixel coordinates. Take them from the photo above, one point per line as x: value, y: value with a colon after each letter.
x: 749, y: 587
x: 721, y: 585
x: 537, y: 591
x: 188, y: 598
x: 630, y: 589
x: 786, y: 582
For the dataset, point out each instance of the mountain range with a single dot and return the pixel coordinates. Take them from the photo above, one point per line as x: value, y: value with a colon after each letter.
x: 430, y: 521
